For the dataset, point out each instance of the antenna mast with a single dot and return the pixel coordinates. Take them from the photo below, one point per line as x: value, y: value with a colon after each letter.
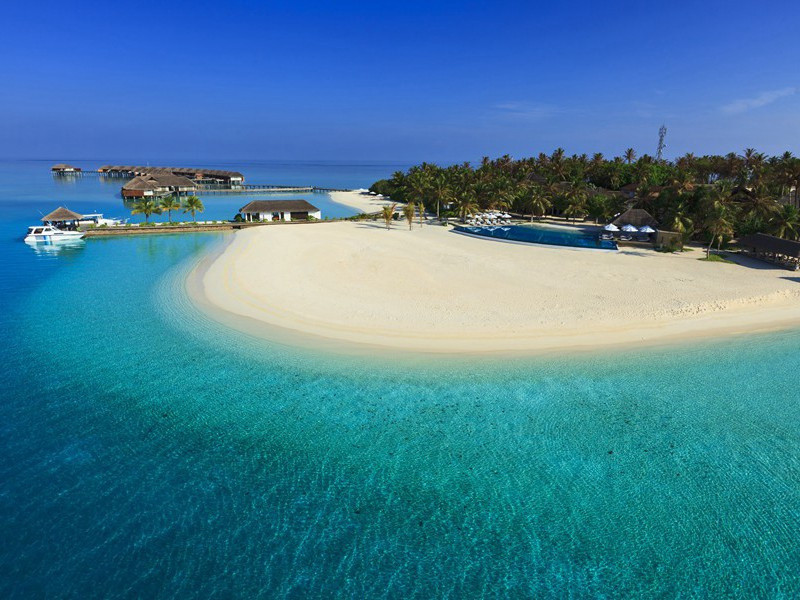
x: 662, y: 133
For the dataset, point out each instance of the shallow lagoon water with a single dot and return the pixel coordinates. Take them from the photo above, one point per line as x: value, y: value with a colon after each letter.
x: 148, y: 451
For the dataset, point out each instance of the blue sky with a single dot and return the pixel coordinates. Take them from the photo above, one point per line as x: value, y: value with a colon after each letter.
x: 440, y: 81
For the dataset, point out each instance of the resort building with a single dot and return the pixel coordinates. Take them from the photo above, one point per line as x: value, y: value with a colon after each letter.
x: 159, y: 184
x: 63, y: 168
x: 785, y: 253
x: 280, y: 210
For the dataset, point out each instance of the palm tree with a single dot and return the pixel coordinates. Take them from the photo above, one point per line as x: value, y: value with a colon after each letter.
x: 169, y: 203
x: 630, y: 155
x: 387, y: 212
x: 408, y: 212
x: 534, y: 200
x: 193, y: 205
x: 146, y: 207
x: 576, y: 202
x: 759, y: 204
x: 681, y: 222
x: 466, y: 204
x: 441, y: 192
x: 599, y: 207
x: 786, y: 222
x: 718, y: 224
x: 417, y: 183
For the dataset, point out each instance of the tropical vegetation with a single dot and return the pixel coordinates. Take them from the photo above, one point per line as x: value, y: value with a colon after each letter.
x: 387, y: 212
x: 168, y: 204
x: 708, y: 198
x: 193, y: 204
x: 146, y: 207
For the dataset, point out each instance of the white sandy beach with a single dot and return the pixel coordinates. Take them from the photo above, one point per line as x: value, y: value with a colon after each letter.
x: 364, y: 203
x: 437, y: 291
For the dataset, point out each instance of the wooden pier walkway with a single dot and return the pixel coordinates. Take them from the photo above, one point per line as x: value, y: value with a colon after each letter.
x: 253, y: 189
x: 206, y: 189
x: 266, y: 189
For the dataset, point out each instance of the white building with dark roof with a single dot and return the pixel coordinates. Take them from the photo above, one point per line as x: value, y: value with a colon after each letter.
x: 280, y: 210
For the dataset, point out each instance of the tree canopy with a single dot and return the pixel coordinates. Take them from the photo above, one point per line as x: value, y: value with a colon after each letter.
x: 694, y: 195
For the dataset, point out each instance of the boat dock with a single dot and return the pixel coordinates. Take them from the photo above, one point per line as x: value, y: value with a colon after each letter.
x: 163, y: 228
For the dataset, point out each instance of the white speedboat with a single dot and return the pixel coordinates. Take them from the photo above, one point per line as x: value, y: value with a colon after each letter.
x: 98, y: 219
x: 48, y: 233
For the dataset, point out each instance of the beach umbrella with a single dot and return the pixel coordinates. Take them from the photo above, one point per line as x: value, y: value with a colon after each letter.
x: 629, y: 228
x: 646, y: 229
x: 506, y: 216
x: 611, y: 227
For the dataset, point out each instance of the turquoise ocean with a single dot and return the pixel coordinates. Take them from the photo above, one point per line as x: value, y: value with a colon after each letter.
x: 147, y: 451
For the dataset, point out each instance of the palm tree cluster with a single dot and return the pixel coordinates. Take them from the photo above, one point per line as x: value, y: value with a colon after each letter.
x: 710, y: 198
x: 151, y: 206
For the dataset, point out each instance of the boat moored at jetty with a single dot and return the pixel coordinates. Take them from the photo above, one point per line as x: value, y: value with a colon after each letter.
x: 98, y: 220
x: 50, y: 234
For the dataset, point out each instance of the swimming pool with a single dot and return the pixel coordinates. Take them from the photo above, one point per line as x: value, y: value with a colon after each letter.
x: 533, y: 234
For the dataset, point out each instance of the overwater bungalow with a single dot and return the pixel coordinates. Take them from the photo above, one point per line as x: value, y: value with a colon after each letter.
x: 213, y: 176
x: 64, y: 169
x: 280, y: 210
x: 157, y: 184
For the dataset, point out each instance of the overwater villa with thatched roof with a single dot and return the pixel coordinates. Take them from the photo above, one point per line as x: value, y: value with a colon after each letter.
x: 218, y: 176
x: 157, y: 184
x: 63, y: 169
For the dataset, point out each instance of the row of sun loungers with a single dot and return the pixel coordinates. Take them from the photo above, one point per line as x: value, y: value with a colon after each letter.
x: 625, y: 237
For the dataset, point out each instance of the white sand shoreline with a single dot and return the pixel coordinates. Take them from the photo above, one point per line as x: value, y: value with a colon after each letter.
x: 429, y: 290
x: 364, y: 203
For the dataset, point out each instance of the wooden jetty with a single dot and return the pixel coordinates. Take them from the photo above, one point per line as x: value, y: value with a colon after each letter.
x: 99, y: 232
x: 266, y: 189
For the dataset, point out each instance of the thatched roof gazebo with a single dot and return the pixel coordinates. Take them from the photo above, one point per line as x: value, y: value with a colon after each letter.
x: 638, y: 217
x: 61, y: 215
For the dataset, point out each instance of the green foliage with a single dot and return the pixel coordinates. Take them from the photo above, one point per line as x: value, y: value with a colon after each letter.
x: 168, y: 204
x: 708, y: 198
x: 383, y: 186
x: 193, y: 204
x: 716, y: 258
x: 146, y: 207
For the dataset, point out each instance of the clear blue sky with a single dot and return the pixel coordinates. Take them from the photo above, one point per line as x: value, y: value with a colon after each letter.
x: 442, y: 81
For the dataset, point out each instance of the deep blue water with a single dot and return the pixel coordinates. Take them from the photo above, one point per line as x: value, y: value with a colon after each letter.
x: 537, y: 234
x: 148, y: 452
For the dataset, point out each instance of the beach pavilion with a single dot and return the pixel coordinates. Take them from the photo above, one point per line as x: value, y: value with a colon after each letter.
x: 638, y: 217
x: 280, y: 210
x: 62, y: 218
x: 785, y: 253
